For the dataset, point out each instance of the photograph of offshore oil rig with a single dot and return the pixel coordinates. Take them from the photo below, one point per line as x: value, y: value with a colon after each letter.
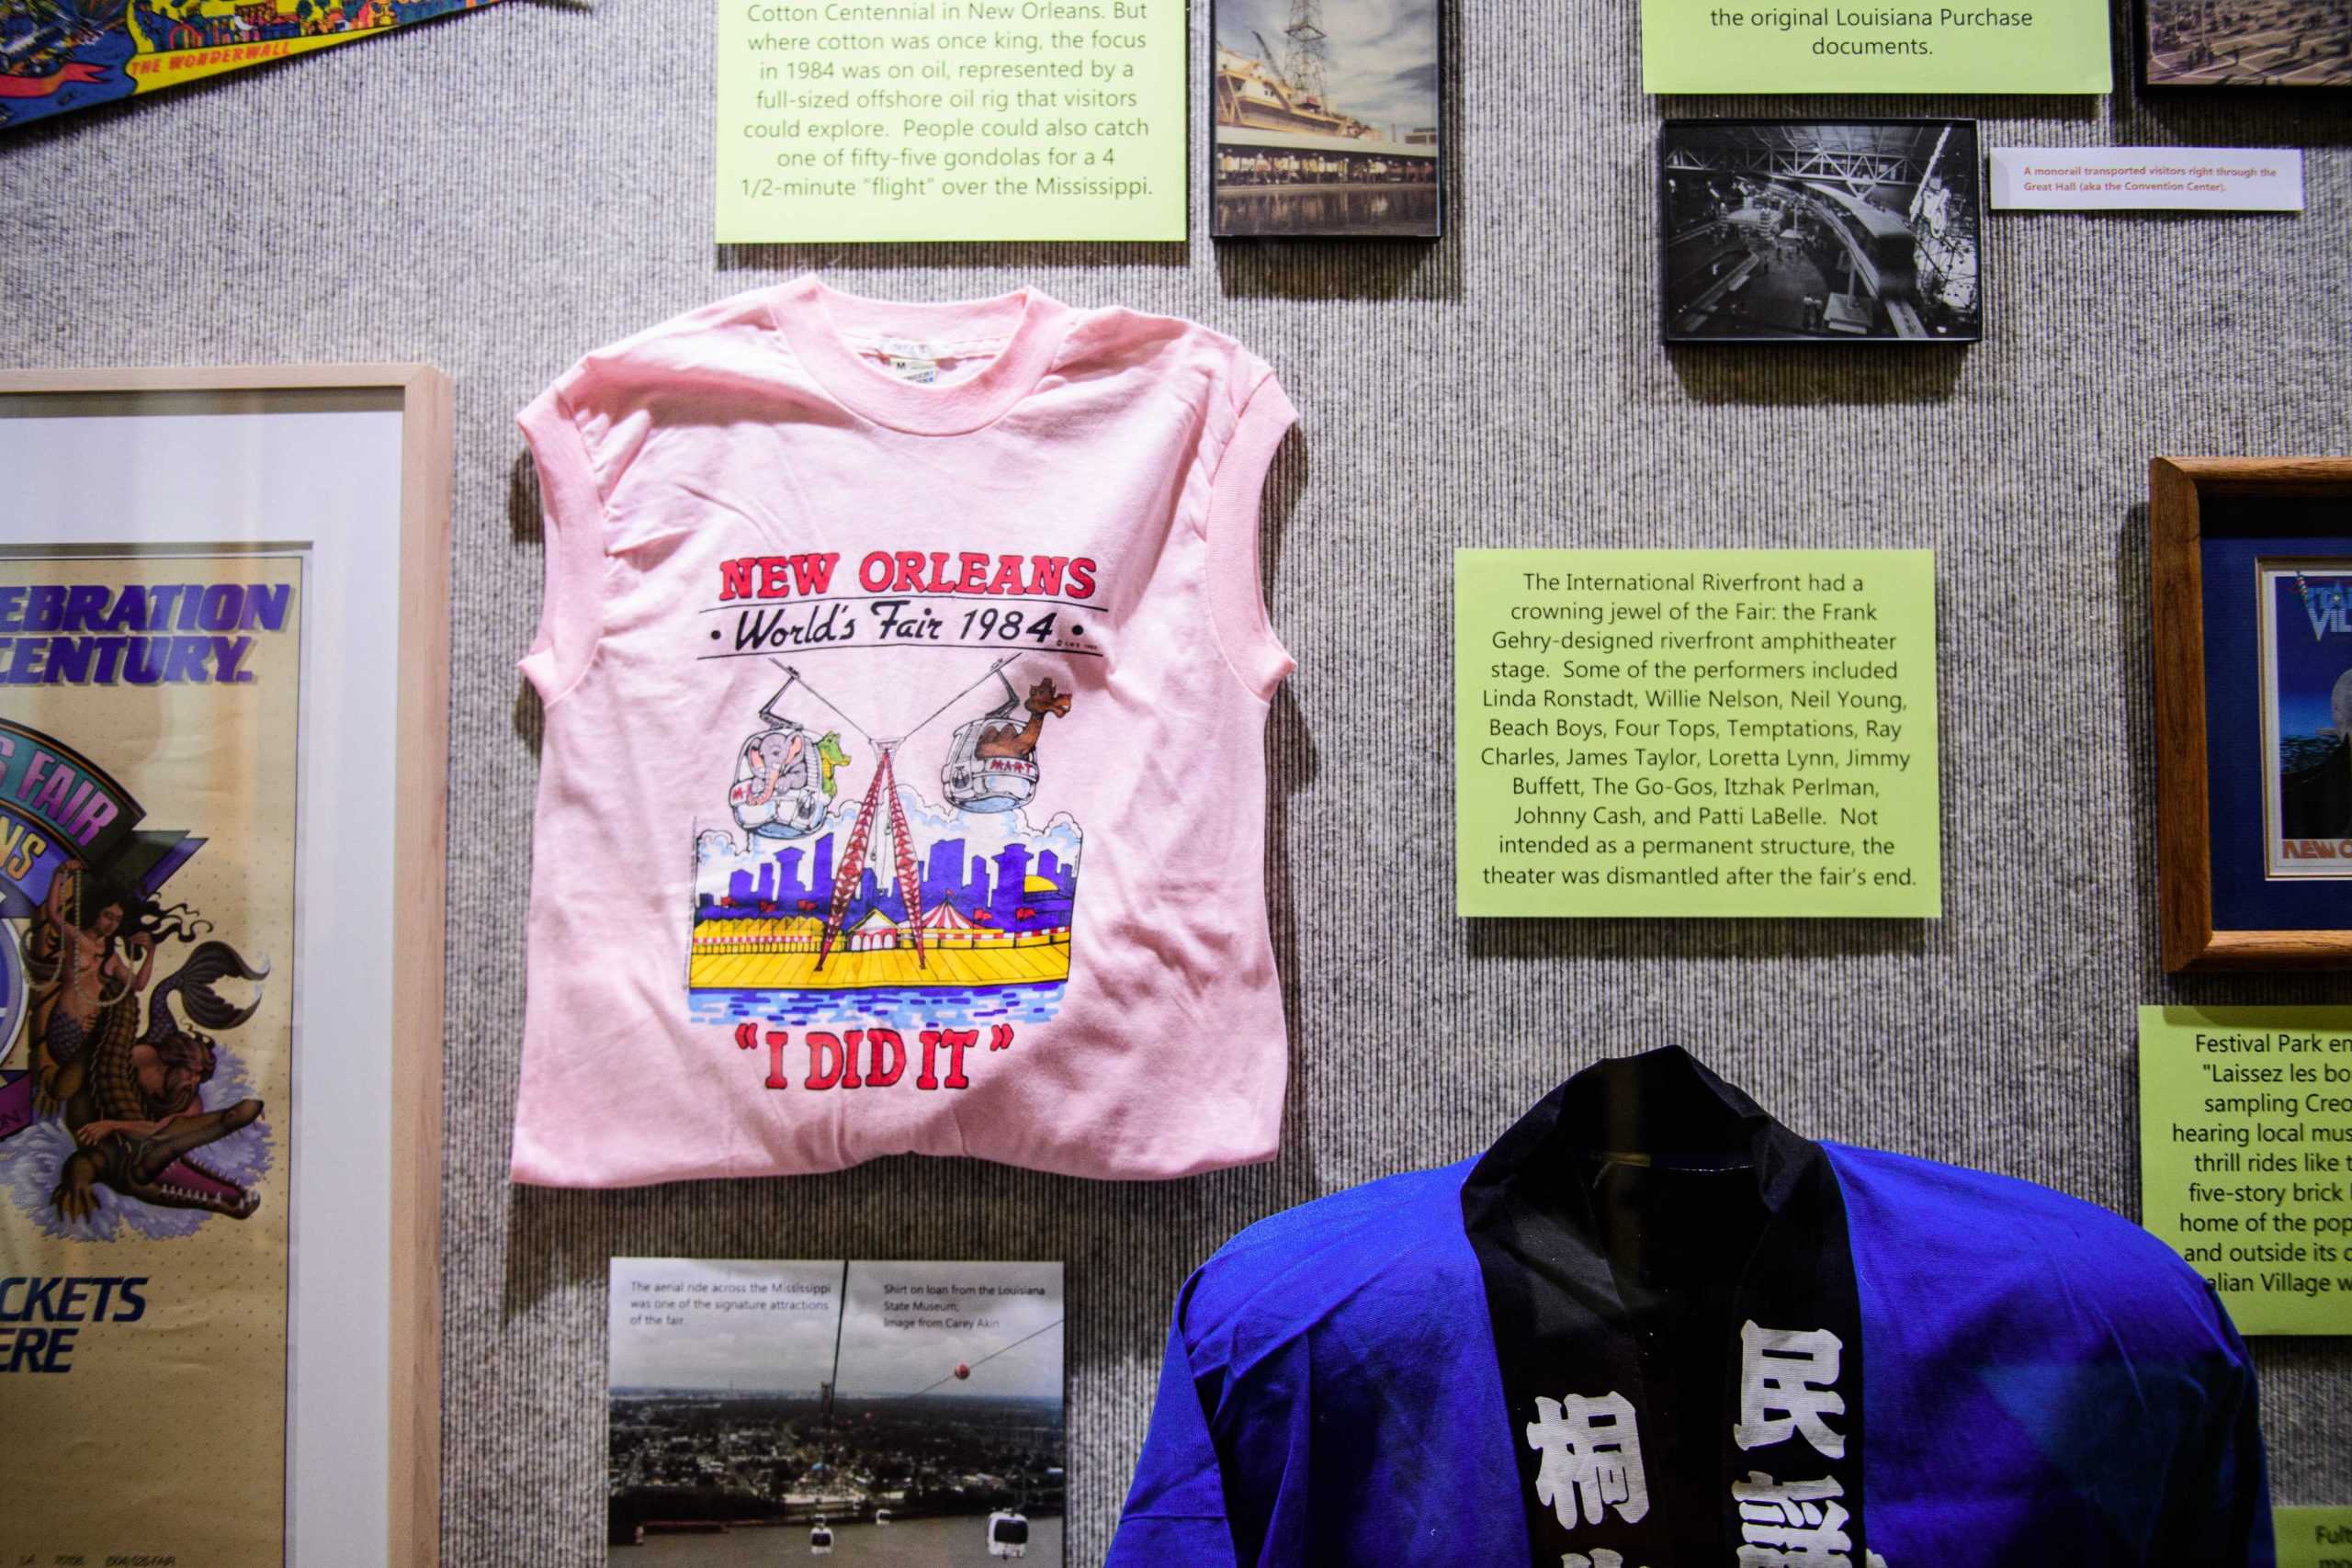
x: 1336, y: 131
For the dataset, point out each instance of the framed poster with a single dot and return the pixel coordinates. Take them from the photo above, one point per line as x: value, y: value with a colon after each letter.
x: 1831, y: 231
x: 2252, y: 566
x: 223, y: 747
x: 2303, y: 638
x: 2261, y: 44
x: 1326, y: 121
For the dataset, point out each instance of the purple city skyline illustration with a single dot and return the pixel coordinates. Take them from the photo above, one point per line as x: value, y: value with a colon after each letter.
x: 1002, y: 900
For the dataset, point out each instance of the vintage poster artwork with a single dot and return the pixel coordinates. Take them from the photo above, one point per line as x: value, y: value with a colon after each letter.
x: 148, y: 763
x: 903, y: 1414
x: 2306, y: 637
x: 883, y: 843
x: 57, y: 55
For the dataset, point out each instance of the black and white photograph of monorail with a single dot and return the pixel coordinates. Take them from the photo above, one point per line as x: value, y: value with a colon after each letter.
x: 1804, y: 231
x: 1323, y: 120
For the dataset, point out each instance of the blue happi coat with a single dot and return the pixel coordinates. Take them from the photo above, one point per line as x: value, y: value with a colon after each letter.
x: 2036, y: 1381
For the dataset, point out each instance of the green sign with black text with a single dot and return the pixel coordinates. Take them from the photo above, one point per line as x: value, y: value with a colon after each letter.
x: 2246, y: 1155
x: 2015, y: 46
x: 2314, y: 1538
x: 1695, y: 733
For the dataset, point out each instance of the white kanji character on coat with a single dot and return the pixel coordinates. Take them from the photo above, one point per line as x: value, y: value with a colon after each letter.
x: 1795, y: 1524
x: 1787, y: 1383
x: 1592, y: 1459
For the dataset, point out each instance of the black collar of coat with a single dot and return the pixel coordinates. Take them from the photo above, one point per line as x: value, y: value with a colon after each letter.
x: 1561, y: 1320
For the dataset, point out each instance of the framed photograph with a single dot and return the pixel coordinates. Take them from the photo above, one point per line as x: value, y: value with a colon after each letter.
x: 2252, y: 567
x: 223, y: 752
x: 1326, y: 121
x: 2246, y: 43
x: 1856, y: 231
x: 907, y: 1413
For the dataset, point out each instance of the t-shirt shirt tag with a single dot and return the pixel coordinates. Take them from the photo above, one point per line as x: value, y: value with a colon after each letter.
x: 912, y: 359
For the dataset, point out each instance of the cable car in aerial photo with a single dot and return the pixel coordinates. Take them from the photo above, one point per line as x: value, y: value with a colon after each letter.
x: 1008, y: 1534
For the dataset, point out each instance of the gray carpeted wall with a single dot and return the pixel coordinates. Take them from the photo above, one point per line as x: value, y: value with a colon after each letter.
x: 498, y: 193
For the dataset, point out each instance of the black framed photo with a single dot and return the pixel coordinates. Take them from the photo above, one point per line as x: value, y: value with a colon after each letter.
x: 1850, y: 230
x: 1325, y: 123
x: 2247, y: 43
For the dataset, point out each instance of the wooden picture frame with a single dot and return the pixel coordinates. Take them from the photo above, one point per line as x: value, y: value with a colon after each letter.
x: 2181, y: 490
x: 361, y: 1463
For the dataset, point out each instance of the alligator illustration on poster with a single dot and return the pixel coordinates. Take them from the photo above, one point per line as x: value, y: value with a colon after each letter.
x: 131, y: 1098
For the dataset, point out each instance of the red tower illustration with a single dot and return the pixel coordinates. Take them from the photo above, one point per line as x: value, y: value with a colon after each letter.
x: 884, y: 786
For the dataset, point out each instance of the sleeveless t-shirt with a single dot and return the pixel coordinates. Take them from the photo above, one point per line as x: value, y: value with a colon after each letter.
x: 905, y: 675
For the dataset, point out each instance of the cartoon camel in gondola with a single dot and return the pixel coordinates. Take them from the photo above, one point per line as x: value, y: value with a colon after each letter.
x: 1006, y: 741
x: 993, y: 762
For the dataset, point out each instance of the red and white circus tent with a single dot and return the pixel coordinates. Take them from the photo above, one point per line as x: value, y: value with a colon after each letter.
x: 945, y: 916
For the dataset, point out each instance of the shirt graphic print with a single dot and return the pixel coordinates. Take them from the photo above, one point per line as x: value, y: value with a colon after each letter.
x: 940, y: 886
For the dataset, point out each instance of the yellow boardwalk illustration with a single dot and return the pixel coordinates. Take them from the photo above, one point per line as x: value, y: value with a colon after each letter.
x: 781, y: 954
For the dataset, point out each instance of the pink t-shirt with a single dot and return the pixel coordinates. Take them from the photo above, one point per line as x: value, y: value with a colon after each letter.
x: 904, y: 786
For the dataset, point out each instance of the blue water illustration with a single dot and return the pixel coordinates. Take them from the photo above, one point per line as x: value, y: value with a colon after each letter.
x: 900, y: 1007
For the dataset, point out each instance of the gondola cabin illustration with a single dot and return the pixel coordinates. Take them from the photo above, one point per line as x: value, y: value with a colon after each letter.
x: 992, y: 761
x: 784, y: 784
x: 821, y: 1541
x: 1008, y: 1534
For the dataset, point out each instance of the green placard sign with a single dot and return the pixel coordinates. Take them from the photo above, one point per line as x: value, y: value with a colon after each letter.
x: 2246, y: 1154
x: 1695, y: 733
x: 950, y: 120
x: 2010, y: 46
x: 2314, y: 1538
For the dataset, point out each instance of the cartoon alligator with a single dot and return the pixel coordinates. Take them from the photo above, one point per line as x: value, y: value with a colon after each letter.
x: 132, y: 1099
x: 1007, y: 742
x: 830, y: 756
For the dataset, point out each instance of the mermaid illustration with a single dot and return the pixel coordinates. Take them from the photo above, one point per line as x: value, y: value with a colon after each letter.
x: 81, y: 961
x: 131, y: 1097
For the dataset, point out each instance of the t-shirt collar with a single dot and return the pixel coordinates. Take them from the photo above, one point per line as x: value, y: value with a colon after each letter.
x: 1026, y: 326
